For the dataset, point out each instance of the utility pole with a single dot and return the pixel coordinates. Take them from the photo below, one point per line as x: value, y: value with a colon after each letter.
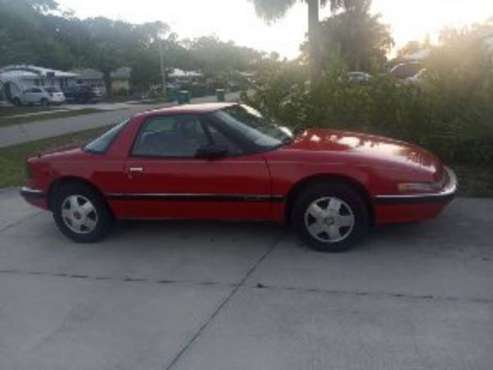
x: 163, y: 71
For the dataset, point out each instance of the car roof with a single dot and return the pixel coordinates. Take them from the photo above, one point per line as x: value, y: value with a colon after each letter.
x: 202, y: 108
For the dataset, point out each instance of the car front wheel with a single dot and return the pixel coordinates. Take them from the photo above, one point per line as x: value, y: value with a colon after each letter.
x: 81, y: 214
x: 330, y: 217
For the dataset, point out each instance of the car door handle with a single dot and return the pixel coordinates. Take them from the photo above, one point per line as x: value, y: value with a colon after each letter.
x: 134, y: 170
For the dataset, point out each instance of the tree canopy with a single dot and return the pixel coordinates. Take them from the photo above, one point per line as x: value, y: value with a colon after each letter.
x: 36, y: 32
x: 360, y: 39
x: 271, y: 10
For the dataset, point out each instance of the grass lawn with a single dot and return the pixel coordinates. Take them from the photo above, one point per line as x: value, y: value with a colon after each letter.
x: 475, y: 181
x: 12, y: 170
x: 12, y: 110
x: 6, y: 121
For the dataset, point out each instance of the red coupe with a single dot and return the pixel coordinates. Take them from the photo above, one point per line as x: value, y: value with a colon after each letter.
x: 226, y: 162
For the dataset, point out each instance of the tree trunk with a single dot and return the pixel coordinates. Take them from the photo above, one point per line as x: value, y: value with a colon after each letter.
x: 314, y: 40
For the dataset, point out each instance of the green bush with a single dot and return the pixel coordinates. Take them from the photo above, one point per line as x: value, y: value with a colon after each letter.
x: 449, y: 113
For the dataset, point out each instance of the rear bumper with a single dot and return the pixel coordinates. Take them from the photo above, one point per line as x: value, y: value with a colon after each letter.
x: 415, y: 207
x: 35, y: 197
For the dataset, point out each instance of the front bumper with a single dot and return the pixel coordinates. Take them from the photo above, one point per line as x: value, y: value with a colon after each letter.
x: 416, y: 207
x: 57, y: 100
x: 443, y: 196
x: 35, y: 197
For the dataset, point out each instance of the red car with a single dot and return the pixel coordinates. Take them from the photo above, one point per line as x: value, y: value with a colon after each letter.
x: 226, y: 162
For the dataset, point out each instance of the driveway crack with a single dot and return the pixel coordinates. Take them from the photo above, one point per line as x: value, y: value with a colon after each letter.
x: 225, y: 301
x: 381, y: 294
x: 20, y: 221
x: 123, y: 279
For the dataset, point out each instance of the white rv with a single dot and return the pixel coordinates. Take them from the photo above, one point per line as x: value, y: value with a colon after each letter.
x: 19, y: 79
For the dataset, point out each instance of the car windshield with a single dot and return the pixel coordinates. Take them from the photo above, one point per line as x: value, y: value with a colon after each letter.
x: 52, y: 89
x: 103, y: 142
x: 254, y: 127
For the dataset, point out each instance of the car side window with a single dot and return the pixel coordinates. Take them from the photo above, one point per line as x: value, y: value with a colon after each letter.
x: 219, y: 138
x: 170, y: 136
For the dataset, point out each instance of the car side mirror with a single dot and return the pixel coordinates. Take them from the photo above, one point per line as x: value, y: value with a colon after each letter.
x: 211, y: 152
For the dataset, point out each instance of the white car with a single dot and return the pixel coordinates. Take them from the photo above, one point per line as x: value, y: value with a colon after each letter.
x: 418, y: 78
x: 406, y: 70
x: 359, y: 77
x: 42, y: 96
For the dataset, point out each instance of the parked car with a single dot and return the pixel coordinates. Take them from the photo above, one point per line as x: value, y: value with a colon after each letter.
x: 359, y: 77
x: 84, y: 93
x: 55, y: 95
x: 41, y: 96
x: 224, y: 161
x: 406, y: 70
x: 418, y: 79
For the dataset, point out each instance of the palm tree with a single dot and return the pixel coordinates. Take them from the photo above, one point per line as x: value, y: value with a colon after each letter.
x: 272, y: 10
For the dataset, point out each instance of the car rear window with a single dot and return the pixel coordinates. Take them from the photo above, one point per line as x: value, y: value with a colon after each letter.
x: 103, y: 142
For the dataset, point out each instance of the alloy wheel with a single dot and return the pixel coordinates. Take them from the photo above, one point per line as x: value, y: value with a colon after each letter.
x: 329, y: 220
x: 79, y: 214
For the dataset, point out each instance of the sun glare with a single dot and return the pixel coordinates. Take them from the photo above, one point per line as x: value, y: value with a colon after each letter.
x: 416, y: 20
x: 236, y: 20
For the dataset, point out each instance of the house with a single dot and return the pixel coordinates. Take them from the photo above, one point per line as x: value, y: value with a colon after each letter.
x: 17, y: 78
x: 88, y: 76
x: 178, y: 75
x: 120, y: 81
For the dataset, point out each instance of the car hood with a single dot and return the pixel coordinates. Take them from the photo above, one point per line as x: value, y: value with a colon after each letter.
x: 378, y: 149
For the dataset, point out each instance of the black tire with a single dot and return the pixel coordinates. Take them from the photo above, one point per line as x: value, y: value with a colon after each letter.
x: 353, y: 205
x: 102, y: 215
x: 44, y: 102
x: 17, y: 102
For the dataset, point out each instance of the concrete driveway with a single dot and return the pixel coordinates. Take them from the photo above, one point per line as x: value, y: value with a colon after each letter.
x: 201, y: 295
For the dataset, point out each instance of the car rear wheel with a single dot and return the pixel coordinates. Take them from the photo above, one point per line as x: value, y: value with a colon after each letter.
x: 81, y: 213
x: 330, y: 217
x: 44, y: 102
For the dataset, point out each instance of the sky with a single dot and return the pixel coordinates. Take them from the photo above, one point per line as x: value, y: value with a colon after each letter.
x: 236, y: 19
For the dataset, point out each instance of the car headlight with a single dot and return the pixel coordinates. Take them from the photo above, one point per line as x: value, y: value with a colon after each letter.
x: 417, y: 187
x: 424, y: 187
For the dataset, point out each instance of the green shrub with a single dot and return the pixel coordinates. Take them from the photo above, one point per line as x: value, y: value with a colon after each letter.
x: 448, y: 113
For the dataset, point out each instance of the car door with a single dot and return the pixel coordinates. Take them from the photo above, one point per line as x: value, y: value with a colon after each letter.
x: 28, y: 96
x: 35, y: 95
x: 165, y: 179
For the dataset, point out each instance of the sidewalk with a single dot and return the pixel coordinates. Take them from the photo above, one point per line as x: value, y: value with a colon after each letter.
x: 23, y: 133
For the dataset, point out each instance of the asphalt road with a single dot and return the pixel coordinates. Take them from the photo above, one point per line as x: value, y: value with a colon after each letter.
x: 202, y: 295
x: 23, y: 133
